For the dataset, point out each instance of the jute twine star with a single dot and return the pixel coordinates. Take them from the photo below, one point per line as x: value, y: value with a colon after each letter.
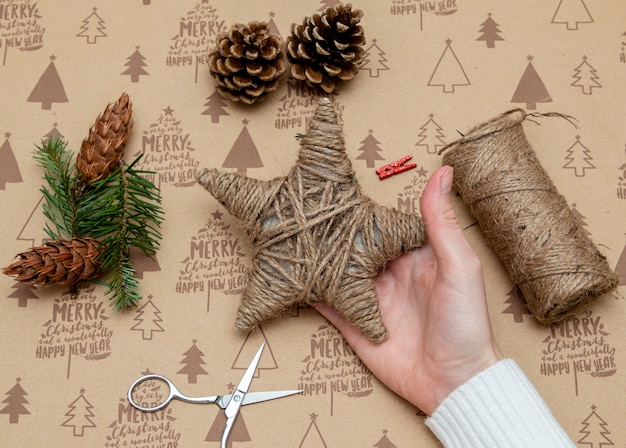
x: 316, y: 236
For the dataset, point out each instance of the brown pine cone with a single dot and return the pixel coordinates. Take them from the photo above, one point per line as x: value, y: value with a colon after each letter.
x: 58, y: 262
x: 101, y: 152
x: 247, y: 62
x: 327, y: 47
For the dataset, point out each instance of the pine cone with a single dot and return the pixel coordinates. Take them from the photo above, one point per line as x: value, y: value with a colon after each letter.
x: 60, y: 262
x: 247, y: 62
x: 101, y: 152
x: 327, y: 47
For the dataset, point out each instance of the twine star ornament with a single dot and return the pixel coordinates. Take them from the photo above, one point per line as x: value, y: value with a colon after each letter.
x: 315, y: 236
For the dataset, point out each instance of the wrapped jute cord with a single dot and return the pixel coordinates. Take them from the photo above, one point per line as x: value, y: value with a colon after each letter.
x: 532, y: 229
x: 316, y: 236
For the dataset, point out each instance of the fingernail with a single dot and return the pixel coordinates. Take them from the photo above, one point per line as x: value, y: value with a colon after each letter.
x: 446, y: 180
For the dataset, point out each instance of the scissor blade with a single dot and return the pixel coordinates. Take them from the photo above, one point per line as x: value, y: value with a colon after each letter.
x: 242, y: 388
x: 246, y: 379
x: 257, y: 397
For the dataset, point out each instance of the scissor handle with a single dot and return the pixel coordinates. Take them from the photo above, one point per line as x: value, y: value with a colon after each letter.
x: 174, y: 393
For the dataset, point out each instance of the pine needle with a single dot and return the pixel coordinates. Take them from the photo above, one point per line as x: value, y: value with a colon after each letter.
x: 60, y: 206
x: 121, y: 211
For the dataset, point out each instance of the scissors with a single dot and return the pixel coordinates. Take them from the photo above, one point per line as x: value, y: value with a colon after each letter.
x: 231, y: 403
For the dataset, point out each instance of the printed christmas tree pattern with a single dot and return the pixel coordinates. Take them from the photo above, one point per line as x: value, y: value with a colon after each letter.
x: 142, y: 263
x: 167, y: 152
x: 571, y: 13
x: 32, y: 232
x: 581, y: 219
x: 244, y: 153
x: 490, y: 32
x: 384, y: 441
x: 331, y: 367
x: 448, y: 72
x: 215, y: 107
x: 327, y: 4
x: 9, y: 169
x: 197, y: 31
x: 438, y: 8
x: 80, y: 415
x: 135, y: 64
x: 595, y: 431
x: 193, y: 363
x: 271, y: 23
x: 409, y: 197
x: 516, y: 307
x: 620, y: 267
x: 249, y: 348
x: 297, y: 106
x: 49, y: 88
x: 20, y: 29
x: 148, y: 319
x: 133, y: 427
x: 578, y: 158
x: 76, y: 328
x: 580, y: 346
x: 23, y: 292
x: 374, y: 60
x: 54, y: 133
x: 216, y: 261
x: 313, y: 436
x: 585, y: 77
x: 370, y: 150
x: 239, y: 433
x: 15, y: 401
x: 92, y: 27
x: 431, y: 136
x: 531, y: 89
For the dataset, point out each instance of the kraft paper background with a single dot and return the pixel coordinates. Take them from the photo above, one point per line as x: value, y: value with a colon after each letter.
x: 433, y: 69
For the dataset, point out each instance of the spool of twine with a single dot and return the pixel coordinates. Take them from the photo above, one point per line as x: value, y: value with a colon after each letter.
x: 532, y: 229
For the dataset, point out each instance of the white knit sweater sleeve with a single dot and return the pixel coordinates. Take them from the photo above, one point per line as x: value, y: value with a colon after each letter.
x: 500, y: 408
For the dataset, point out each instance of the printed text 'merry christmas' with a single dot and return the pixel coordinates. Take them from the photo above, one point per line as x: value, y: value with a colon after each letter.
x: 18, y: 11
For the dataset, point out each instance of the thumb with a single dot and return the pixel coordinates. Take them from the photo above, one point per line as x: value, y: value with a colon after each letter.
x: 443, y: 229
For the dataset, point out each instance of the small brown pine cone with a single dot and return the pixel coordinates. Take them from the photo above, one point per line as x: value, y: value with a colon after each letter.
x: 327, y: 47
x: 247, y: 62
x: 101, y: 152
x: 57, y: 262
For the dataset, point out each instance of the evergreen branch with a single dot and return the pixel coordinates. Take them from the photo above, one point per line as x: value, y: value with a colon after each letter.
x: 122, y: 211
x: 60, y: 206
x: 123, y: 286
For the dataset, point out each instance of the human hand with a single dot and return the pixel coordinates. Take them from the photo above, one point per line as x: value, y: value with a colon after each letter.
x: 432, y: 301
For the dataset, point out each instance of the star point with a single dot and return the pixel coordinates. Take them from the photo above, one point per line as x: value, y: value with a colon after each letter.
x: 317, y: 237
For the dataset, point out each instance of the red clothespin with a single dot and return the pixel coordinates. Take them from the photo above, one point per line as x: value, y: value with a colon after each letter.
x: 396, y: 167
